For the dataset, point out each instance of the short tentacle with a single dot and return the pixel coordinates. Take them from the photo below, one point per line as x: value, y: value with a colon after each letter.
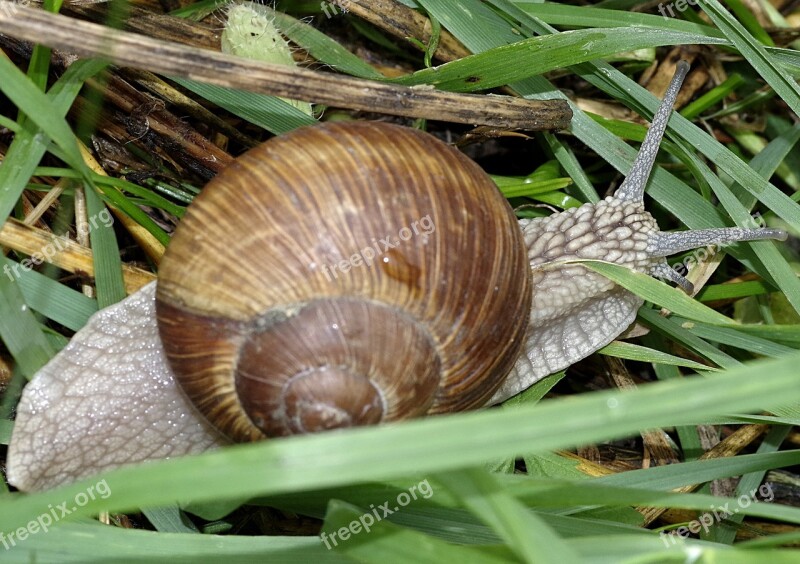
x: 632, y: 188
x: 663, y: 270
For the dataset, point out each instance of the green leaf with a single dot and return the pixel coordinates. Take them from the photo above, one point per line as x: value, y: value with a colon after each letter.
x: 376, y: 540
x: 19, y: 330
x: 657, y: 292
x: 526, y: 533
x: 36, y: 106
x: 530, y: 57
x: 630, y: 351
x: 430, y: 445
x: 754, y: 52
x: 268, y: 112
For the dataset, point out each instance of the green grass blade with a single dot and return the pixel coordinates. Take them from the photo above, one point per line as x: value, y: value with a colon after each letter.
x: 657, y: 292
x: 28, y: 147
x: 676, y: 332
x: 523, y: 531
x: 629, y: 351
x: 54, y: 300
x: 386, y: 542
x: 754, y: 52
x: 105, y: 252
x: 40, y: 110
x: 19, y: 329
x: 268, y: 112
x: 429, y: 445
x: 534, y: 56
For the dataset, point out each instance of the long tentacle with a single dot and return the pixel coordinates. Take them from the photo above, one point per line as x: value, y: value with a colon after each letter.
x: 632, y: 187
x: 663, y: 244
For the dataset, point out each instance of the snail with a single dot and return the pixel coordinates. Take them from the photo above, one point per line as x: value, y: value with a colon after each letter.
x: 274, y: 319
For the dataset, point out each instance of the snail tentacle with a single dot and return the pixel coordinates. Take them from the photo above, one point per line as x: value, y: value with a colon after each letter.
x: 576, y: 311
x: 664, y: 244
x: 632, y: 188
x: 663, y: 270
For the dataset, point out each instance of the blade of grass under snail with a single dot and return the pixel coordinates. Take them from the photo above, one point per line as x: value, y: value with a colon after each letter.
x: 673, y: 194
x: 735, y: 338
x: 656, y: 478
x: 91, y: 542
x: 788, y: 335
x: 669, y: 328
x: 429, y: 445
x: 54, y: 300
x: 97, y: 543
x: 659, y: 293
x: 389, y: 542
x: 733, y: 290
x: 629, y: 351
x: 527, y: 534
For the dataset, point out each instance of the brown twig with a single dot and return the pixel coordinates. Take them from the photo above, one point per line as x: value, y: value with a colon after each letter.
x: 731, y: 446
x: 66, y: 254
x: 401, y: 21
x: 128, y: 49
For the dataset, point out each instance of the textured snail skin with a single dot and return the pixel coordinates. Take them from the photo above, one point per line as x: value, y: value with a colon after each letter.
x: 107, y: 399
x: 576, y: 311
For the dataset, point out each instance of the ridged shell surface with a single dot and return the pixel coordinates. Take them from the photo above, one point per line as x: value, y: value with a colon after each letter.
x: 347, y: 212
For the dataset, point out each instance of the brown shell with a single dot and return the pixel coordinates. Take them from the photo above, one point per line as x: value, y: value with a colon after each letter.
x: 365, y: 262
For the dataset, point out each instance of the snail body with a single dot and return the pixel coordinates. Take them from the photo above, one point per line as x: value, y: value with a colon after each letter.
x: 258, y: 336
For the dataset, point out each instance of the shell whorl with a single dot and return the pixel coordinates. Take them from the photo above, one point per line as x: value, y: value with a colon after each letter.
x: 250, y: 297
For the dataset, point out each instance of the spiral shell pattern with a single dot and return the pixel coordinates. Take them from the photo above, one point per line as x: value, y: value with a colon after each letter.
x: 343, y: 274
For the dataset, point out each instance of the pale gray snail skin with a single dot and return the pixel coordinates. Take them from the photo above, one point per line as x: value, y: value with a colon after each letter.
x: 110, y: 398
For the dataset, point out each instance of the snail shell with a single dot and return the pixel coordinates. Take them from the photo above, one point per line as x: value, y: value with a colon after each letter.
x: 268, y: 336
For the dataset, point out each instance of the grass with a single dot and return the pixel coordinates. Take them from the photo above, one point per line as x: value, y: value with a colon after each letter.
x: 503, y: 485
